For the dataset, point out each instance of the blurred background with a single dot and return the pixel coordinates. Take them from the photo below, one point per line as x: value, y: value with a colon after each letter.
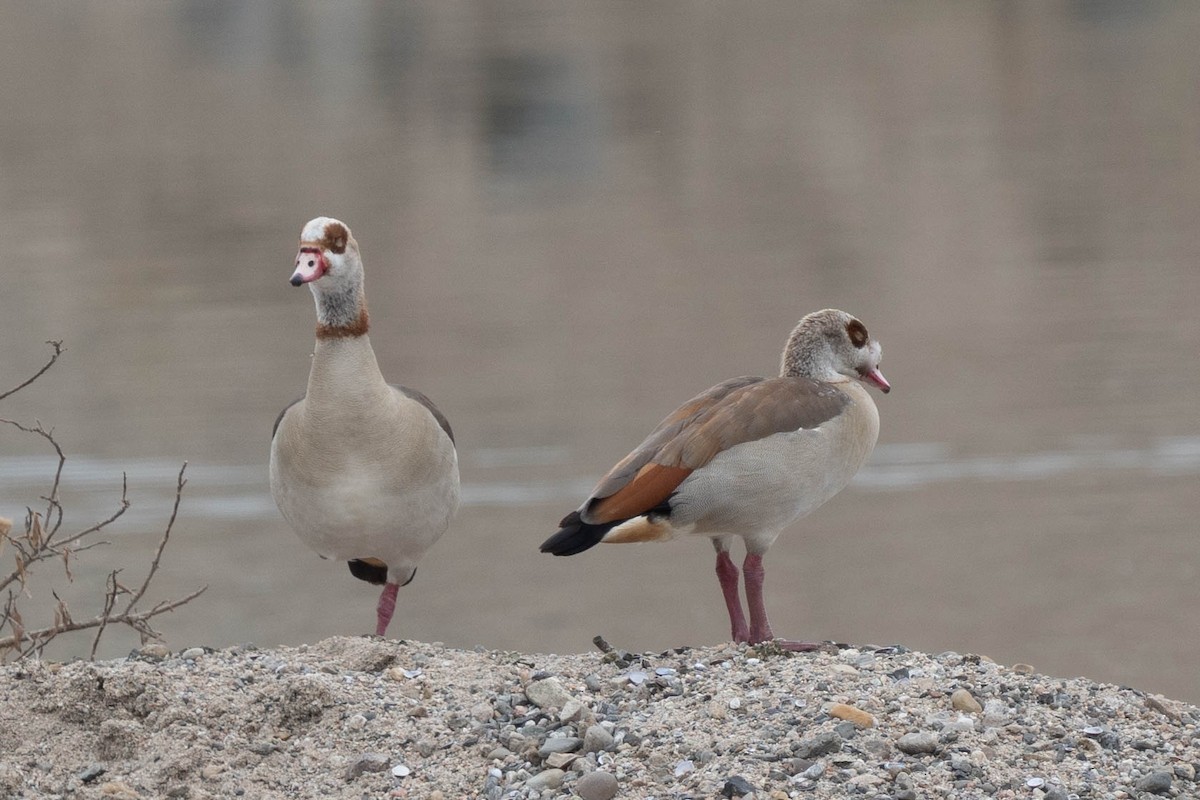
x: 575, y: 217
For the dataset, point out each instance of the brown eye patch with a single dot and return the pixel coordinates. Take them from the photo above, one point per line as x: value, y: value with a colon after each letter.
x: 857, y: 333
x: 336, y: 237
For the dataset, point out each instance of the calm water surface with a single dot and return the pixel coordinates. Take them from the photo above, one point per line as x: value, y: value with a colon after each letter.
x: 572, y: 220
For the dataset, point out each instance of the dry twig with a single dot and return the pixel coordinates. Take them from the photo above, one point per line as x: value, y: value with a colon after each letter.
x: 40, y: 541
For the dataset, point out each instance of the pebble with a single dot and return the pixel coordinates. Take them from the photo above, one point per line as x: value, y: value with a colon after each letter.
x: 737, y: 786
x: 154, y: 651
x: 559, y: 744
x: 546, y: 779
x: 368, y: 762
x: 1157, y: 782
x: 852, y: 714
x: 91, y: 773
x: 596, y: 739
x: 401, y: 771
x: 822, y: 744
x: 192, y: 653
x: 917, y: 743
x: 962, y: 700
x: 547, y: 693
x: 598, y: 785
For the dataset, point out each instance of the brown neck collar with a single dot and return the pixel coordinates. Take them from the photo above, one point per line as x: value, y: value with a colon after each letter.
x: 356, y: 328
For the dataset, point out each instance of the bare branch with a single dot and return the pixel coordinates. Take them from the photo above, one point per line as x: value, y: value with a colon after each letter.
x: 58, y: 351
x: 136, y: 621
x: 162, y: 543
x: 40, y: 541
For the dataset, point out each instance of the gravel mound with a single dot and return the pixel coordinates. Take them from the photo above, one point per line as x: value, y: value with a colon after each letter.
x: 367, y: 717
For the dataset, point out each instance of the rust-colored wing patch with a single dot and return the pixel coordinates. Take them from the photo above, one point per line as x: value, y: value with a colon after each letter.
x: 652, y: 484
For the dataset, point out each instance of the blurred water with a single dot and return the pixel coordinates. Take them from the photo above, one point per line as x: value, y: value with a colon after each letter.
x: 574, y: 218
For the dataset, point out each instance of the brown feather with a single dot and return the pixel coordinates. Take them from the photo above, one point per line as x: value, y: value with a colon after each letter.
x: 652, y: 484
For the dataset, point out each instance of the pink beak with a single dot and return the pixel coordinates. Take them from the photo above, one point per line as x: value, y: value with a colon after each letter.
x: 876, y: 377
x: 310, y: 265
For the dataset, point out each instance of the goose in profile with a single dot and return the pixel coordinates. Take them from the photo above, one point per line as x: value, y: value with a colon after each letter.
x: 745, y: 459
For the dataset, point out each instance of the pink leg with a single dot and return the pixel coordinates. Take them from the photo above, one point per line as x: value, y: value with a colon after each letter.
x: 387, y: 605
x: 760, y: 626
x: 727, y: 574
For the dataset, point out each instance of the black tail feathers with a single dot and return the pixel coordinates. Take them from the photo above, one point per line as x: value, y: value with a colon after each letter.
x: 575, y: 536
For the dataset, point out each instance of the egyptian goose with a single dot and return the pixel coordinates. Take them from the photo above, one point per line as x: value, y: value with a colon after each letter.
x: 746, y: 458
x: 363, y: 471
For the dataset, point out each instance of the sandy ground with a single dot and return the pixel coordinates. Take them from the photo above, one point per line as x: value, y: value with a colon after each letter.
x: 367, y: 717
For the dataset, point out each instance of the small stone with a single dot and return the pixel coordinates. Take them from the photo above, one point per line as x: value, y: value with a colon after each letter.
x: 1157, y: 782
x: 499, y: 754
x: 822, y: 744
x: 737, y: 786
x: 1023, y: 669
x: 596, y: 739
x: 355, y: 722
x: 368, y: 762
x: 560, y: 744
x: 210, y: 772
x: 962, y: 700
x: 546, y: 779
x: 917, y: 743
x: 547, y: 693
x: 91, y: 773
x: 598, y: 785
x: 852, y: 714
x: 572, y: 711
x: 1185, y: 771
x: 116, y: 790
x: 1056, y: 793
x: 482, y: 712
x: 560, y: 760
x: 684, y: 767
x: 401, y: 771
x: 192, y: 653
x: 154, y: 652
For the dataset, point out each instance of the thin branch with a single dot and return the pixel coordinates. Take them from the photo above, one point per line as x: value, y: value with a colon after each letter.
x: 162, y: 543
x: 48, y: 552
x: 51, y: 498
x: 58, y: 351
x: 136, y: 621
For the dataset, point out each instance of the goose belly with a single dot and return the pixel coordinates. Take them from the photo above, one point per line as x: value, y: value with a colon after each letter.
x: 354, y: 514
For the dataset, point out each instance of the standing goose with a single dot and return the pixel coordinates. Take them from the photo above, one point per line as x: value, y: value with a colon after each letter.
x: 746, y: 458
x: 363, y: 471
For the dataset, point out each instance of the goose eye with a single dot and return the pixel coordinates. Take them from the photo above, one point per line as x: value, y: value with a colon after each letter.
x: 857, y: 333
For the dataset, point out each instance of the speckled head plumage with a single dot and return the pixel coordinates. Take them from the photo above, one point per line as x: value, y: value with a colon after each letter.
x: 830, y: 344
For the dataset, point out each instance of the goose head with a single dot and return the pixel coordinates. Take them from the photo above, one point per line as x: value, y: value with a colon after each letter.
x: 328, y: 254
x: 329, y: 262
x: 828, y: 345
